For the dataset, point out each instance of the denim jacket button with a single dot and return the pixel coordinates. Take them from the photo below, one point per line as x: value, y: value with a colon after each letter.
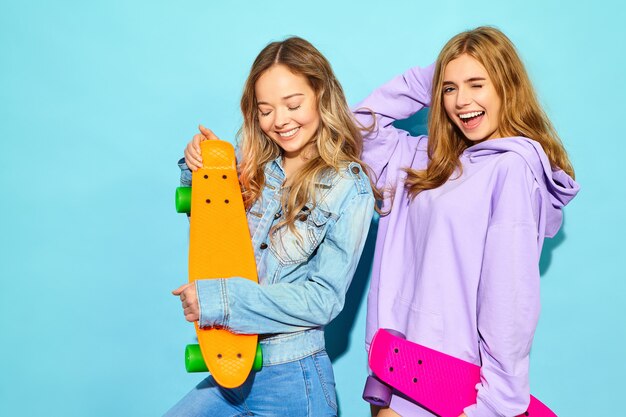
x: 355, y: 170
x: 277, y: 216
x: 263, y: 245
x: 303, y: 217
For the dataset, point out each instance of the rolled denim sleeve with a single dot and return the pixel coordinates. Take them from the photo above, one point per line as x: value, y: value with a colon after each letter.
x: 246, y: 307
x: 185, y: 173
x: 398, y: 99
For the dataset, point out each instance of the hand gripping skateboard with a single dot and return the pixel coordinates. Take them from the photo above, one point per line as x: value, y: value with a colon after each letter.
x: 440, y: 383
x: 219, y: 247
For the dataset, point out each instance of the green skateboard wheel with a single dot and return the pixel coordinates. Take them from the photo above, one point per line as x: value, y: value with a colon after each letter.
x: 193, y: 359
x: 183, y: 200
x: 258, y: 359
x: 195, y: 363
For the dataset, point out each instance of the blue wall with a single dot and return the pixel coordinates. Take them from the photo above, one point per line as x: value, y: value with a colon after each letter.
x: 98, y: 99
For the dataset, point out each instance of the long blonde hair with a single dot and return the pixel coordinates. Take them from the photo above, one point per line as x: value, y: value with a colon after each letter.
x: 520, y: 114
x: 336, y: 143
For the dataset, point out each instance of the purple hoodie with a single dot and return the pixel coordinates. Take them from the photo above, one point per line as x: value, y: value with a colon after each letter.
x: 457, y: 268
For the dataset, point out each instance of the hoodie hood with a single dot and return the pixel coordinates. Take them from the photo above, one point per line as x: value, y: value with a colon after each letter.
x: 556, y: 185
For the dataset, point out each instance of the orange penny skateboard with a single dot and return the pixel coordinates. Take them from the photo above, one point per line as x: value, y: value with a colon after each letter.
x: 219, y: 247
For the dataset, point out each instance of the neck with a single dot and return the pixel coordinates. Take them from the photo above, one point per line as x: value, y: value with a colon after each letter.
x: 291, y: 165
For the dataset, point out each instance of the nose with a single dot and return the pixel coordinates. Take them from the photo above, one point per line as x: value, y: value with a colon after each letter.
x: 463, y: 97
x: 281, y: 119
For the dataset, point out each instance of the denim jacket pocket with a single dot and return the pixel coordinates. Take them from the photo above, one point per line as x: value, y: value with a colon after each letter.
x: 292, y: 248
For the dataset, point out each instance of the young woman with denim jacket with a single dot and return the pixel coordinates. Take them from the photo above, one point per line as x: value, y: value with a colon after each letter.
x: 309, y: 206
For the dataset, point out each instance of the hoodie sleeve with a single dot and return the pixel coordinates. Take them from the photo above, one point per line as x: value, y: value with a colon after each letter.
x: 398, y: 99
x: 508, y: 301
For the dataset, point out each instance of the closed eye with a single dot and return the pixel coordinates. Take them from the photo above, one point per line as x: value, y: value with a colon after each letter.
x: 294, y: 108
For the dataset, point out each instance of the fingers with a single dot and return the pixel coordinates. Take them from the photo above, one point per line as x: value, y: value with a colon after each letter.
x: 191, y: 315
x: 207, y: 133
x: 193, y: 153
x: 178, y: 291
x: 195, y: 145
x: 192, y: 158
x: 189, y: 301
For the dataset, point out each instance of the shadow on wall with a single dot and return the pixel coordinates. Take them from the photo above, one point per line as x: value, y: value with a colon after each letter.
x: 338, y: 331
x: 549, y: 245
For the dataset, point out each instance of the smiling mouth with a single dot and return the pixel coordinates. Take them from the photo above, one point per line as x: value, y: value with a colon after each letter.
x: 471, y: 119
x: 289, y: 133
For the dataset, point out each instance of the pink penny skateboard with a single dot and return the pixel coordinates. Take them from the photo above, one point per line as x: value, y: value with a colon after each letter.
x: 441, y: 383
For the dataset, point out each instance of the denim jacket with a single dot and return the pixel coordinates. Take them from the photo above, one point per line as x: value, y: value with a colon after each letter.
x: 302, y: 281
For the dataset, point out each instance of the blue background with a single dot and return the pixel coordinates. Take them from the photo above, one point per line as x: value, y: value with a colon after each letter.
x: 97, y: 101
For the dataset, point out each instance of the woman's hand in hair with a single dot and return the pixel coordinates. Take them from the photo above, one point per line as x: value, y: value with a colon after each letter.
x: 193, y: 157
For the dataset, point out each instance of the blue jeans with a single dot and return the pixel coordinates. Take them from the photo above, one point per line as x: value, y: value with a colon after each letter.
x: 302, y: 388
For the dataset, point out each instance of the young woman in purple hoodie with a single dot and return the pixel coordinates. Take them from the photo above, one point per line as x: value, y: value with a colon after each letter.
x: 457, y: 257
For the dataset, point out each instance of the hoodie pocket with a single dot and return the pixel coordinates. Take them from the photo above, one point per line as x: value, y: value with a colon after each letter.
x: 421, y: 326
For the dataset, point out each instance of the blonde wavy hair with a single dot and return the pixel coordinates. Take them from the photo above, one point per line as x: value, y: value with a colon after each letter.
x: 520, y: 113
x: 336, y: 143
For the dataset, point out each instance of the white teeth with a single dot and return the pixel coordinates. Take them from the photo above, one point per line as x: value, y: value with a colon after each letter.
x: 290, y: 133
x: 470, y: 115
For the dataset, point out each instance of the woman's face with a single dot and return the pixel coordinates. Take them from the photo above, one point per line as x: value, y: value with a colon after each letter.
x: 287, y: 109
x: 470, y: 99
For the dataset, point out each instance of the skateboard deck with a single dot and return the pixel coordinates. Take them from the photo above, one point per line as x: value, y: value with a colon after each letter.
x: 220, y: 247
x: 441, y: 383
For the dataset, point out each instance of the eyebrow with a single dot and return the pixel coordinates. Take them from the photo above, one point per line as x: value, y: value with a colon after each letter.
x: 469, y: 80
x: 284, y: 98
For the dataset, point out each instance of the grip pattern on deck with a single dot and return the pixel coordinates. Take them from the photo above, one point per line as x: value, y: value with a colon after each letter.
x: 441, y: 383
x: 220, y: 247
